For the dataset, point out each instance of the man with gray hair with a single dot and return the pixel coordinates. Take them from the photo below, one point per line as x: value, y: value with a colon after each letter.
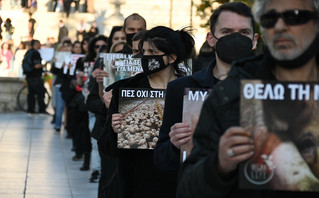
x: 290, y: 29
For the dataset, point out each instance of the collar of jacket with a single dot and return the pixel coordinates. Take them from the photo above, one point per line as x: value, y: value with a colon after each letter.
x: 204, y: 77
x: 228, y: 90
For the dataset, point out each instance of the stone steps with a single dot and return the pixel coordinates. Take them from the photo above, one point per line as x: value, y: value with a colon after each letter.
x: 47, y: 22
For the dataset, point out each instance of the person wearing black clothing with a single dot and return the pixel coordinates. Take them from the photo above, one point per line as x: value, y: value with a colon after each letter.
x: 220, y: 145
x: 117, y: 34
x: 76, y: 5
x: 67, y: 7
x: 53, y: 4
x: 108, y: 184
x: 138, y: 175
x: 31, y: 25
x: 9, y: 29
x: 77, y: 117
x: 35, y: 81
x: 24, y: 3
x: 166, y: 155
x: 93, y: 31
x: 83, y: 137
x: 63, y: 31
x: 132, y: 24
x: 237, y: 18
x: 1, y: 21
x: 97, y: 115
x: 58, y: 72
x: 68, y: 92
x: 206, y: 54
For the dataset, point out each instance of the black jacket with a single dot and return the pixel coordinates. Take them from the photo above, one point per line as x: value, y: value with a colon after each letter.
x: 35, y: 59
x: 203, y: 60
x: 63, y: 32
x: 96, y: 106
x: 138, y: 175
x: 59, y: 74
x: 199, y: 176
x: 166, y: 156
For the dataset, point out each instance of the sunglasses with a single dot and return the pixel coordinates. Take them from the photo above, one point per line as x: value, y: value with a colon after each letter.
x: 99, y: 46
x: 290, y: 17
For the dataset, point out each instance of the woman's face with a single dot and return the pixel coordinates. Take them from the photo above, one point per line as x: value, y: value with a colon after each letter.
x: 149, y: 49
x: 67, y: 47
x: 77, y: 48
x: 118, y: 36
x: 98, y: 45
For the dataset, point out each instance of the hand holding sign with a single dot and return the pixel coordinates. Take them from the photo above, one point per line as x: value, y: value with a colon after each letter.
x: 180, y: 134
x: 116, y: 122
x: 235, y: 146
x: 101, y: 74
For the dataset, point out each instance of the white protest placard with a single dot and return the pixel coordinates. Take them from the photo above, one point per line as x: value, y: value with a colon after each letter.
x: 46, y: 54
x: 109, y: 65
x: 72, y: 60
x: 60, y: 58
x: 127, y: 67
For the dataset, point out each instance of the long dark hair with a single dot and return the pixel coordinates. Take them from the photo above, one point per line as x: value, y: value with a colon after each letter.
x: 86, y: 39
x: 110, y: 42
x: 92, y: 54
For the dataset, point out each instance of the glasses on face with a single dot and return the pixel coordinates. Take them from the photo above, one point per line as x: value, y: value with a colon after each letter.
x: 290, y: 17
x: 99, y: 46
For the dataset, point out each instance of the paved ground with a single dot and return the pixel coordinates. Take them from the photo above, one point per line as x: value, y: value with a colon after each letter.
x: 35, y: 161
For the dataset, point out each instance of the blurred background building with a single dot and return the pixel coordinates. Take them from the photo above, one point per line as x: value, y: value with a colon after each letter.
x: 172, y: 13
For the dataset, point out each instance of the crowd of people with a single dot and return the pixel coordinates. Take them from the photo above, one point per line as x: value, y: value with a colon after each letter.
x: 54, y: 5
x: 88, y: 111
x: 66, y: 5
x: 10, y: 56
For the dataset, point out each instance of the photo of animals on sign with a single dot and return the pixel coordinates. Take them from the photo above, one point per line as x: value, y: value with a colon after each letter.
x: 283, y: 119
x: 142, y: 111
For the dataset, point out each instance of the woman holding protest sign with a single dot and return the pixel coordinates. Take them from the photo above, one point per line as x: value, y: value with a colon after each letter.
x: 58, y: 63
x: 84, y: 67
x: 162, y: 50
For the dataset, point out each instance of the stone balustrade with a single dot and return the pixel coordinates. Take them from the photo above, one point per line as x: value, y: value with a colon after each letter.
x: 9, y: 88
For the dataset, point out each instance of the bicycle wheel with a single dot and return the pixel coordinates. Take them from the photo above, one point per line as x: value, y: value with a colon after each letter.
x: 22, y: 98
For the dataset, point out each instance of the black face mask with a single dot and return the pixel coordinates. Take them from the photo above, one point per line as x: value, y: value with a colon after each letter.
x: 299, y: 61
x: 152, y: 64
x: 233, y: 47
x: 129, y: 38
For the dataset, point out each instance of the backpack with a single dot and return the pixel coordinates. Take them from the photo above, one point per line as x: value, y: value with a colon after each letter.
x: 27, y: 62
